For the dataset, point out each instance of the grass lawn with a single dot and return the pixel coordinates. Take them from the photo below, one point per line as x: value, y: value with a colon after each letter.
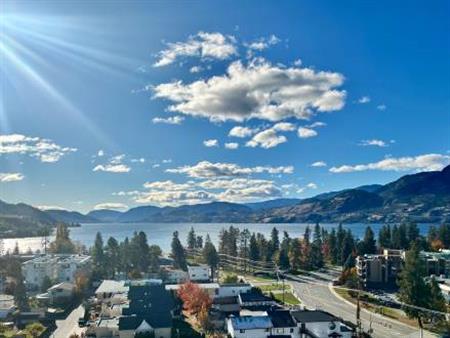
x: 289, y: 298
x: 259, y: 279
x: 275, y: 287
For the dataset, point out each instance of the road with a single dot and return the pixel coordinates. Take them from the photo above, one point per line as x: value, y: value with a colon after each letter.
x: 69, y: 326
x: 315, y: 293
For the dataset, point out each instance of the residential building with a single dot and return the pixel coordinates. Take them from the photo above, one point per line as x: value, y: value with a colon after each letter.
x: 175, y: 275
x: 249, y: 326
x: 232, y: 289
x: 320, y: 324
x: 198, y: 273
x: 255, y: 299
x: 210, y: 288
x: 59, y: 268
x: 7, y: 306
x: 436, y: 263
x: 61, y: 293
x: 283, y: 324
x: 108, y: 289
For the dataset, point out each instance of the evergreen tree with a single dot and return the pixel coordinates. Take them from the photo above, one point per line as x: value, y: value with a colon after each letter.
x: 283, y: 256
x: 413, y: 289
x: 191, y: 239
x: 368, y: 244
x: 437, y: 301
x: 412, y: 232
x: 332, y: 247
x: 199, y: 242
x: 348, y: 246
x: 62, y: 243
x: 316, y: 256
x: 98, y: 257
x: 295, y: 253
x: 210, y: 255
x: 384, y: 237
x: 178, y: 254
x: 306, y: 250
x: 444, y: 235
x: 140, y: 252
x: 112, y: 253
x: 253, y: 248
x: 263, y: 247
x: 274, y: 244
x: 154, y: 252
x: 340, y: 235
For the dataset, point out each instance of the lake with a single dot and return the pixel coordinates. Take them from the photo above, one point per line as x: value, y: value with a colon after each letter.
x: 161, y: 233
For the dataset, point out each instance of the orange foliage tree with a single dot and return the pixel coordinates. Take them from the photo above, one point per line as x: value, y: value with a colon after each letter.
x: 194, y: 298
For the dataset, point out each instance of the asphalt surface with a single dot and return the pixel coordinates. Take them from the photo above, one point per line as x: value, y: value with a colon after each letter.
x: 314, y: 293
x: 68, y: 326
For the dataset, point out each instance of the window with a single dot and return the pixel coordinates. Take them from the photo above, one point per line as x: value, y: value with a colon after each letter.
x: 291, y: 330
x: 242, y: 331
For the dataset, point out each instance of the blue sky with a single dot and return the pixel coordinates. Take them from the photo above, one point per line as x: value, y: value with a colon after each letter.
x: 118, y: 104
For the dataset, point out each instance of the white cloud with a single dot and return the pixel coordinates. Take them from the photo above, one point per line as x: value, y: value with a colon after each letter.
x: 231, y: 145
x: 256, y: 90
x: 373, y: 142
x: 203, y: 45
x: 113, y: 168
x: 309, y: 186
x: 114, y: 165
x: 111, y: 206
x: 306, y: 132
x: 426, y: 162
x: 242, y: 132
x: 43, y: 149
x: 364, y: 99
x: 319, y: 164
x: 211, y: 143
x: 298, y: 62
x: 195, y: 69
x: 270, y: 138
x: 100, y: 153
x: 169, y: 120
x: 138, y: 160
x: 206, y: 169
x: 381, y: 107
x: 191, y: 192
x: 50, y: 207
x: 11, y: 177
x: 263, y: 43
x: 317, y: 124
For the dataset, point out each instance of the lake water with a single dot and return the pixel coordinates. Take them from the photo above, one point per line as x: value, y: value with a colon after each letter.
x: 161, y: 233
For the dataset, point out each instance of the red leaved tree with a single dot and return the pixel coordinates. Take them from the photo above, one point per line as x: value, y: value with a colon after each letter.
x: 194, y: 298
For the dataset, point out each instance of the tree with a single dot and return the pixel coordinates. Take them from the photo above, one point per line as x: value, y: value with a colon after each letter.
x: 178, y: 254
x: 413, y: 289
x: 316, y: 257
x: 46, y: 283
x: 437, y: 301
x: 191, y: 239
x: 340, y: 236
x: 210, y: 255
x: 154, y: 252
x: 112, y: 256
x: 274, y: 244
x: 98, y: 257
x: 295, y: 253
x: 194, y: 298
x: 230, y: 279
x: 412, y: 232
x: 62, y: 243
x: 348, y: 246
x: 140, y: 252
x: 199, y: 242
x: 253, y: 249
x: 332, y: 247
x: 384, y: 237
x: 368, y: 244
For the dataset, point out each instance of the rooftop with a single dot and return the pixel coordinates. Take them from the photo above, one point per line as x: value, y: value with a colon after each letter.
x: 112, y: 286
x: 201, y: 285
x: 254, y: 297
x: 63, y: 285
x: 282, y: 318
x: 304, y: 316
x: 58, y: 259
x: 251, y: 322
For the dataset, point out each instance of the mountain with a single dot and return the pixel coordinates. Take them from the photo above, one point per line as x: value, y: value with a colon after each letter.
x: 422, y: 197
x: 104, y: 215
x: 70, y: 217
x: 276, y: 203
x: 138, y: 214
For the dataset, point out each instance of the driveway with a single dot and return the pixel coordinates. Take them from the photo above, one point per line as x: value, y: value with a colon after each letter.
x: 69, y: 326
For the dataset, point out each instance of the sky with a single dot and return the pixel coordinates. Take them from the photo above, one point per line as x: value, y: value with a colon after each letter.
x: 116, y: 104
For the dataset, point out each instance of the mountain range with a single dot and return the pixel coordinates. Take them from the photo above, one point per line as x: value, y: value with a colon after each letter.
x: 422, y: 197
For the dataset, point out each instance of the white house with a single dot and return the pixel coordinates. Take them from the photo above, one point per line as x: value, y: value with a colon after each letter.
x: 232, y: 289
x: 110, y: 288
x: 198, y: 273
x: 283, y: 324
x: 320, y: 324
x: 249, y: 326
x: 7, y: 306
x: 176, y: 276
x: 59, y: 268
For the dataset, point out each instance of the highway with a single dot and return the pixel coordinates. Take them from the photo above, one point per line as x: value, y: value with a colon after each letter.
x: 316, y: 294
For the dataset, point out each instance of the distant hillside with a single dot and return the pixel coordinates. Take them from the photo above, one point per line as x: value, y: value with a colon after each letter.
x: 422, y: 197
x: 104, y: 215
x: 70, y: 217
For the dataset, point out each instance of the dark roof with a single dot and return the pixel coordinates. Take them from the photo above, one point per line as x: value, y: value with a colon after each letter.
x: 303, y: 316
x: 225, y: 300
x: 128, y: 322
x: 266, y: 308
x: 152, y: 303
x: 234, y: 284
x: 282, y: 318
x: 254, y: 297
x: 278, y: 336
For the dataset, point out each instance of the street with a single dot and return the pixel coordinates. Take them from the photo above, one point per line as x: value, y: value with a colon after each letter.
x: 69, y: 326
x: 315, y: 294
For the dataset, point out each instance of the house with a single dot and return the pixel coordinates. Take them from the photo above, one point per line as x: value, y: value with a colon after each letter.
x: 108, y: 289
x: 149, y: 310
x: 175, y: 275
x: 283, y: 325
x: 198, y: 273
x: 320, y: 324
x: 232, y: 289
x: 61, y: 293
x: 226, y: 304
x: 7, y: 306
x: 249, y: 326
x: 59, y: 268
x: 210, y: 288
x: 255, y: 299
